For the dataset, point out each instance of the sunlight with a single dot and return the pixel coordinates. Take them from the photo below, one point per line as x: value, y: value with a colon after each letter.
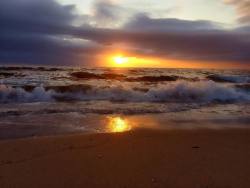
x: 131, y: 61
x: 126, y: 60
x: 119, y: 60
x: 118, y: 124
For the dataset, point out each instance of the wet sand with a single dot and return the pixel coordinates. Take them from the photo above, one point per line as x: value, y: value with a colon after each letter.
x: 142, y: 158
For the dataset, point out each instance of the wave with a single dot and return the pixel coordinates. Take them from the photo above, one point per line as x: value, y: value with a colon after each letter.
x: 244, y: 87
x: 10, y: 74
x: 69, y: 88
x: 229, y: 79
x: 13, y: 68
x: 59, y: 89
x: 112, y: 76
x: 88, y: 75
x: 179, y: 91
x: 12, y: 95
x: 201, y: 91
x: 153, y: 79
x: 6, y: 74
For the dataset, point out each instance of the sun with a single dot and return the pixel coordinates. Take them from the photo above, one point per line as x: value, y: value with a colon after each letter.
x: 120, y: 60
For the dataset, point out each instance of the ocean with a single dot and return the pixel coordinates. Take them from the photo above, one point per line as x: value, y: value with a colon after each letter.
x: 45, y: 101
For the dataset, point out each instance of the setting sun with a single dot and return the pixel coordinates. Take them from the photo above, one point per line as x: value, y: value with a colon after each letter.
x: 128, y: 61
x: 119, y: 60
x: 132, y: 61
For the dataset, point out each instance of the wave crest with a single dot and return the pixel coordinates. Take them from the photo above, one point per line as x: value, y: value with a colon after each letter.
x: 229, y: 79
x: 180, y: 91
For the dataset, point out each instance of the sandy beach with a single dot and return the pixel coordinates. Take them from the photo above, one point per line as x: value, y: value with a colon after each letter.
x: 140, y: 158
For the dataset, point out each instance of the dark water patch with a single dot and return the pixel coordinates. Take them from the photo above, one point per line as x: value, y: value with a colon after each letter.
x: 14, y: 113
x: 48, y: 69
x: 85, y: 75
x: 244, y: 87
x: 11, y: 74
x: 113, y: 76
x: 136, y: 71
x: 195, y: 79
x: 16, y: 68
x: 144, y: 90
x: 152, y: 79
x: 121, y: 77
x: 28, y: 88
x: 59, y: 89
x: 65, y: 98
x: 12, y: 68
x: 217, y: 78
x: 88, y: 75
x: 6, y: 74
x: 69, y: 88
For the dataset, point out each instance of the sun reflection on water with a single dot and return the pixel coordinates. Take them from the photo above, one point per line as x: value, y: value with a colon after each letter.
x: 118, y: 124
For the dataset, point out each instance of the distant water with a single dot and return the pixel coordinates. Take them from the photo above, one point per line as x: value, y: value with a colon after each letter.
x: 56, y: 100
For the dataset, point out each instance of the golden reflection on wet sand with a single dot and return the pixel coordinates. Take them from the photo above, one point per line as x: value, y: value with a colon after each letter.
x: 118, y: 124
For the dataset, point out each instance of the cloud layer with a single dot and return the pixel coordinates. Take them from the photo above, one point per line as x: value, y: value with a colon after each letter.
x: 46, y: 32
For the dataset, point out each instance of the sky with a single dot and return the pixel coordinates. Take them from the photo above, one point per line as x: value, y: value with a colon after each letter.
x: 145, y: 33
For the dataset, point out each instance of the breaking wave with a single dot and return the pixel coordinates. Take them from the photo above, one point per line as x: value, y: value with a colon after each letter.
x: 229, y: 79
x: 179, y: 91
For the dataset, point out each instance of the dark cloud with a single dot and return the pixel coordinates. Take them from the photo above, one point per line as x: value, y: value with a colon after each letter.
x: 39, y: 32
x: 179, y: 39
x: 34, y: 14
x: 44, y: 32
x: 106, y: 13
x: 142, y: 21
x: 44, y: 49
x: 196, y: 45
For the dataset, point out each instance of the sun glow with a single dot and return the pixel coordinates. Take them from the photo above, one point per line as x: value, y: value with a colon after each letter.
x: 122, y: 61
x: 126, y: 60
x: 118, y: 124
x: 119, y: 60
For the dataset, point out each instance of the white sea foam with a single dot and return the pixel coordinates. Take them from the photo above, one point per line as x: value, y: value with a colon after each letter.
x: 10, y: 94
x: 180, y: 91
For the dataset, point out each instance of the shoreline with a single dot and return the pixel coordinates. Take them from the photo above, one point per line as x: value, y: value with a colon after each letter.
x: 139, y: 158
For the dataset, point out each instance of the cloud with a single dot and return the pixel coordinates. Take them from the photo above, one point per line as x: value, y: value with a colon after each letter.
x: 38, y: 32
x: 242, y: 8
x: 35, y: 13
x: 105, y: 12
x: 196, y: 45
x: 45, y: 32
x: 142, y: 21
x: 177, y: 39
